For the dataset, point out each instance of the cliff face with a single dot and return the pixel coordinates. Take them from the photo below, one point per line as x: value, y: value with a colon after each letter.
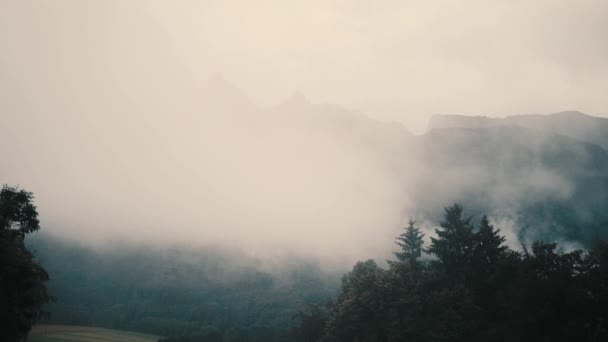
x: 572, y: 124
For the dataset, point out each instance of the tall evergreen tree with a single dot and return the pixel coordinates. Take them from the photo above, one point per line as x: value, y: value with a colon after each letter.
x: 480, y: 290
x: 411, y: 242
x: 454, y: 243
x: 489, y: 244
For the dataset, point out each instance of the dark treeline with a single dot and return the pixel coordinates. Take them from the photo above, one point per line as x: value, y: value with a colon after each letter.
x: 466, y: 285
x: 22, y: 279
x: 472, y: 288
x: 211, y: 294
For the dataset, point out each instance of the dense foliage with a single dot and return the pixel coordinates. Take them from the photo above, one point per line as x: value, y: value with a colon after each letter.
x: 467, y: 285
x: 22, y: 279
x: 473, y: 288
x: 207, y: 294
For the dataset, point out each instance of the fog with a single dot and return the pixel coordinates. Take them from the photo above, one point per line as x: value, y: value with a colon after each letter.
x: 184, y: 122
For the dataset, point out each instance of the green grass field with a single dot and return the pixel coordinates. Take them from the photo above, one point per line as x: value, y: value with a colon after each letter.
x: 68, y: 333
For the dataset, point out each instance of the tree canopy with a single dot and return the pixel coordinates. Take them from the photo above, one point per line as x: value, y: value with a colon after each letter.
x: 17, y: 210
x: 476, y: 289
x: 22, y: 280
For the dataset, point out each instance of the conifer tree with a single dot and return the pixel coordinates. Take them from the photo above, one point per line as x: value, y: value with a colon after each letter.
x: 410, y: 242
x: 454, y: 243
x: 489, y: 244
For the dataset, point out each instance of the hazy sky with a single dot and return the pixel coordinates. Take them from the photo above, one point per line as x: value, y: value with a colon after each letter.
x: 397, y: 60
x: 108, y: 117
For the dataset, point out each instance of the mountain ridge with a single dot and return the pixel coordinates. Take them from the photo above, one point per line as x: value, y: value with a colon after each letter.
x: 574, y: 124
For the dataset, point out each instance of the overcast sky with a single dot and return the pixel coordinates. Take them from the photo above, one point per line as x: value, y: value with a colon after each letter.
x: 106, y: 113
x: 397, y: 60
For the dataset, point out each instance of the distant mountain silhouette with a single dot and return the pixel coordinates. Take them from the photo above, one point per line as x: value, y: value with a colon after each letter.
x: 545, y: 174
x: 549, y: 173
x: 573, y: 124
x: 218, y: 92
x: 552, y: 186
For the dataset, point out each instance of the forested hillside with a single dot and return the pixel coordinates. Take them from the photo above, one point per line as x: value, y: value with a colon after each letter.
x: 303, y: 171
x: 541, y: 184
x: 474, y: 288
x: 534, y: 185
x: 208, y: 292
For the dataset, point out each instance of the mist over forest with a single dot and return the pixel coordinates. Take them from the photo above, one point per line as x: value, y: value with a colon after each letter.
x: 271, y: 181
x: 320, y: 171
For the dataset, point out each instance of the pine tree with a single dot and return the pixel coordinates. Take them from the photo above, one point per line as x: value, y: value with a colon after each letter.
x: 410, y: 242
x: 489, y: 244
x: 455, y: 239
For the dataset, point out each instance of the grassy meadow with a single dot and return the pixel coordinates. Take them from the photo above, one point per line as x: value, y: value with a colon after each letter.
x: 69, y: 333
